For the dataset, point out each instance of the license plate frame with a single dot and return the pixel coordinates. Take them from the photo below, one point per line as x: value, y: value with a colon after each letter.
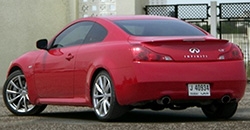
x: 199, y: 89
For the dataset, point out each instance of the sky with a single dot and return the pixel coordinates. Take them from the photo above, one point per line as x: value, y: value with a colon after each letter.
x: 204, y: 1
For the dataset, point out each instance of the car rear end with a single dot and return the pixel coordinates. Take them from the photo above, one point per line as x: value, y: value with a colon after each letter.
x: 182, y: 76
x: 179, y: 64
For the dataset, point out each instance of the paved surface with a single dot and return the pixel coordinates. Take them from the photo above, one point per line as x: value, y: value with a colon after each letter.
x: 60, y: 118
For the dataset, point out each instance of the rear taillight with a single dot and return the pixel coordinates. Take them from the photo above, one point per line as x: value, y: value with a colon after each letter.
x: 141, y: 53
x: 234, y: 54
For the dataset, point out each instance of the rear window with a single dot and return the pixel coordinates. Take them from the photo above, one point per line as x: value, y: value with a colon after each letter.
x: 158, y: 28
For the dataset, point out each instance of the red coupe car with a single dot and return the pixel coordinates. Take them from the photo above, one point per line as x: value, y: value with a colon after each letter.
x: 117, y: 63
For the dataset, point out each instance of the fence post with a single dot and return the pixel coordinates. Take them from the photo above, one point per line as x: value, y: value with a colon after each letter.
x: 247, y: 56
x: 213, y: 20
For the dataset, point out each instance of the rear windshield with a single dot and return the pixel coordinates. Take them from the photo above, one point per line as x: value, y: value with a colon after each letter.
x: 158, y: 28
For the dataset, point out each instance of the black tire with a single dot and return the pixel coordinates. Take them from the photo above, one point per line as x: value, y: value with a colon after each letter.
x: 104, y: 100
x: 15, y: 96
x: 219, y: 110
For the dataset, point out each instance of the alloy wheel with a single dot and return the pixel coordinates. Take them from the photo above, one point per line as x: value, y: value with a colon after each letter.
x: 17, y: 94
x: 102, y: 94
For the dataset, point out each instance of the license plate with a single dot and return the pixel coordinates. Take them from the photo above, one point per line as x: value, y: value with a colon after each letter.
x: 199, y: 90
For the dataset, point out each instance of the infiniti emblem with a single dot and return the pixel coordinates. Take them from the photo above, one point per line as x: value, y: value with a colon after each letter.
x: 194, y: 50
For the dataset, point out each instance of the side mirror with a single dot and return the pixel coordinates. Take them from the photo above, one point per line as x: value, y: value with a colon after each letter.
x: 42, y: 44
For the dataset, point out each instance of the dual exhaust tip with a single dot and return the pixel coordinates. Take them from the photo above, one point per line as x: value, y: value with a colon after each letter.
x: 167, y: 100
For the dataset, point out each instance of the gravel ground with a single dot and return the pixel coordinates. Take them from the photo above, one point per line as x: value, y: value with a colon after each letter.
x: 63, y: 118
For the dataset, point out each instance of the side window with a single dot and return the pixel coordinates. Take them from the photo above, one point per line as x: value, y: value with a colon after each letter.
x: 96, y: 34
x: 73, y: 35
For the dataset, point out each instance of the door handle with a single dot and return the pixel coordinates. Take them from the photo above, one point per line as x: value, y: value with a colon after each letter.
x: 69, y: 57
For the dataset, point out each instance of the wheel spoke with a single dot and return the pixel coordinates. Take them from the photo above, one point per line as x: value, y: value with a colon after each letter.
x: 96, y: 96
x: 27, y: 97
x: 12, y: 92
x: 104, y: 83
x: 20, y: 82
x: 25, y: 105
x: 19, y: 103
x: 98, y: 88
x: 101, y: 83
x: 15, y: 98
x: 15, y: 86
x: 25, y: 86
x: 108, y: 95
x: 107, y: 87
x: 99, y: 102
x: 101, y: 108
x: 105, y: 109
x: 108, y: 103
x: 106, y: 106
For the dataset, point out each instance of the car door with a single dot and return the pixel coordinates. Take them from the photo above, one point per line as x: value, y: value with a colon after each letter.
x: 54, y: 69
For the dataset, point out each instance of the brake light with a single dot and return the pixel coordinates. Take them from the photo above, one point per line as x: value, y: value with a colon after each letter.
x: 141, y: 53
x: 234, y: 54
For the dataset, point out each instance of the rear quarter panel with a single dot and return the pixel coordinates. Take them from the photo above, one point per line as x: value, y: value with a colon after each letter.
x: 109, y: 56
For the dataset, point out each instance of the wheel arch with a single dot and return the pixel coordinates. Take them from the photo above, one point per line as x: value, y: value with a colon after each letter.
x: 17, y: 101
x: 96, y: 72
x: 13, y: 69
x: 114, y: 110
x: 29, y: 79
x: 92, y: 79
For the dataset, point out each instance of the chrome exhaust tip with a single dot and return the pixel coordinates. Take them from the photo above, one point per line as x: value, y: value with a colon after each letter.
x: 226, y: 99
x: 164, y: 101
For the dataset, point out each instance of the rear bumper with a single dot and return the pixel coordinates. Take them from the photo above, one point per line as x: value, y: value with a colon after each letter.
x: 147, y: 81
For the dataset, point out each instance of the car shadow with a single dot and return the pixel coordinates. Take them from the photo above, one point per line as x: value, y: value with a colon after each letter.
x: 139, y: 116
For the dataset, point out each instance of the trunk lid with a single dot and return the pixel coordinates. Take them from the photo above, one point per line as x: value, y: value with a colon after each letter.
x: 185, y: 48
